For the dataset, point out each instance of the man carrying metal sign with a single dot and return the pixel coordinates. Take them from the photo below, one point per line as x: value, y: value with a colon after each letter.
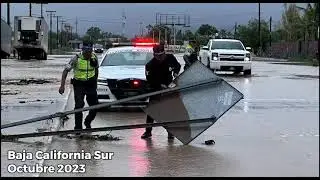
x: 159, y: 75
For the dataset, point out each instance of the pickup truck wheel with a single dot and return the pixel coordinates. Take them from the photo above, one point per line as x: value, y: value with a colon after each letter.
x: 44, y: 56
x: 247, y: 72
x: 208, y: 63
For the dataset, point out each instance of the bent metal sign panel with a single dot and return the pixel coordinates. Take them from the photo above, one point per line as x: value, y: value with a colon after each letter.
x: 205, y: 102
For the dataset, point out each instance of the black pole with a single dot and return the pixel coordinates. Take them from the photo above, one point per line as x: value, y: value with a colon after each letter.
x: 50, y: 36
x: 98, y: 106
x: 112, y: 128
x: 41, y: 10
x: 270, y: 30
x: 57, y: 32
x: 71, y: 33
x: 8, y: 14
x: 61, y: 33
x: 30, y: 7
x: 235, y: 30
x: 259, y: 29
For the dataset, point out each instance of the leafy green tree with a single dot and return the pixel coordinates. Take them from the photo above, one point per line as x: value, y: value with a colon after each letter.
x: 93, y: 34
x: 249, y: 34
x: 207, y: 30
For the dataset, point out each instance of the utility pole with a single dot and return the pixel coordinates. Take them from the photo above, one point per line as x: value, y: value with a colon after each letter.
x: 270, y: 29
x: 159, y: 30
x: 8, y: 14
x: 41, y: 10
x: 235, y: 31
x: 259, y: 29
x: 50, y: 39
x: 76, y: 25
x: 140, y: 29
x: 30, y: 9
x: 61, y: 34
x: 174, y: 38
x: 58, y: 30
x: 165, y: 36
x: 123, y: 22
x: 71, y: 33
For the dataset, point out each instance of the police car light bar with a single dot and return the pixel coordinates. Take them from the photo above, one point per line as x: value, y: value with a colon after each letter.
x: 143, y: 42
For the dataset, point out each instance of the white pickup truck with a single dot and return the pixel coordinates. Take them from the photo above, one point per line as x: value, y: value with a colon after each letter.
x: 226, y: 55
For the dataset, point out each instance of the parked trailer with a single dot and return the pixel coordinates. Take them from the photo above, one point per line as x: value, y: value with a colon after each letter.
x: 6, y: 36
x: 31, y: 37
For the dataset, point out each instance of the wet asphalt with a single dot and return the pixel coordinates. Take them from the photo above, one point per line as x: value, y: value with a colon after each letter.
x: 273, y: 131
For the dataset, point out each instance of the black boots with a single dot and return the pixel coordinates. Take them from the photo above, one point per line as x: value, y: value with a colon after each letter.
x: 146, y: 135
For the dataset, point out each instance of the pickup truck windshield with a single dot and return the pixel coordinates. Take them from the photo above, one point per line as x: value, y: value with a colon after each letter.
x: 227, y: 45
x: 98, y: 46
x: 127, y: 58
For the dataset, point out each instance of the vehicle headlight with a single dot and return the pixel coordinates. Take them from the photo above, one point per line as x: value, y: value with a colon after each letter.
x: 247, y: 58
x: 215, y: 56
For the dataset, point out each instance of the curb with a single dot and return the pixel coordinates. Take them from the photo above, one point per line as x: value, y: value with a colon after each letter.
x: 56, y: 127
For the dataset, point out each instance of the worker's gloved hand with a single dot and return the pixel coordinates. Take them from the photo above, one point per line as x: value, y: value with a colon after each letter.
x: 172, y: 85
x: 61, y: 89
x: 164, y: 86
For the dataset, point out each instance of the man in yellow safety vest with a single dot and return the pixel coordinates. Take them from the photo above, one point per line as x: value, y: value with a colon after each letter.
x: 85, y: 67
x: 190, y: 55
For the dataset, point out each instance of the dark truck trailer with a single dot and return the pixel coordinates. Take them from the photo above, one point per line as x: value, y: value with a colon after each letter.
x: 6, y: 39
x: 31, y: 37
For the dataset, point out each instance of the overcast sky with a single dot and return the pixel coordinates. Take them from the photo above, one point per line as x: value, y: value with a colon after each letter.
x: 107, y: 16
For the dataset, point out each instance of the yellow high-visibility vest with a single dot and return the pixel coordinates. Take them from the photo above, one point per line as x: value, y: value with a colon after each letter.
x: 83, y: 70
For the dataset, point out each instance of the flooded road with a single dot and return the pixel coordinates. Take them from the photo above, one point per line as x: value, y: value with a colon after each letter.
x: 273, y: 131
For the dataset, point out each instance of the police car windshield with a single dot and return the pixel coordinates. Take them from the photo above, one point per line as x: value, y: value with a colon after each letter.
x: 227, y: 45
x: 127, y: 58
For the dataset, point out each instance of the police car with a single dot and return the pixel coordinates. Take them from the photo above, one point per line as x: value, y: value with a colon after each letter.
x: 122, y: 73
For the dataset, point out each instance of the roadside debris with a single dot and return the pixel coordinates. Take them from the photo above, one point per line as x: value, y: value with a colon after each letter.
x: 210, y: 142
x: 107, y: 137
x: 27, y: 81
x: 10, y: 92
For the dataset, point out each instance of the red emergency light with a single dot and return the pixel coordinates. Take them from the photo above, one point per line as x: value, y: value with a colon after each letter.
x: 136, y: 83
x: 149, y: 42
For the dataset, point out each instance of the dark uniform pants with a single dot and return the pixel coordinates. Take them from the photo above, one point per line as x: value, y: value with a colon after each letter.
x: 92, y: 99
x: 150, y: 119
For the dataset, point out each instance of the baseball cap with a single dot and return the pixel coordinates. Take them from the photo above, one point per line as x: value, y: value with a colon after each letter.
x: 158, y: 49
x: 87, y: 48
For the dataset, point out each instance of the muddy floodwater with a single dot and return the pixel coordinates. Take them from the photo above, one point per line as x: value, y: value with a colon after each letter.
x: 273, y: 131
